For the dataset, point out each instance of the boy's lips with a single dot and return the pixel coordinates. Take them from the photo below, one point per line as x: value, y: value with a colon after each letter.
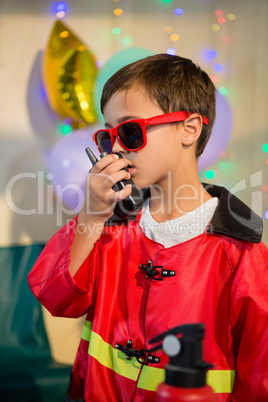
x: 130, y: 168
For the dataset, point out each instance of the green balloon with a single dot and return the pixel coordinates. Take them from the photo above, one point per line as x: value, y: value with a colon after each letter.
x: 117, y: 61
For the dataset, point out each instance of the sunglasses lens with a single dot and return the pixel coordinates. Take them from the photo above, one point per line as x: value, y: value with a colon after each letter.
x: 104, y: 142
x: 131, y: 135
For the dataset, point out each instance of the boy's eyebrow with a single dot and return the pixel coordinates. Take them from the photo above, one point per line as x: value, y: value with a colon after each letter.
x: 121, y: 120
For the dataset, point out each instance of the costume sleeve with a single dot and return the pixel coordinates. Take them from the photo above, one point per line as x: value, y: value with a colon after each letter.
x: 249, y: 319
x: 51, y: 282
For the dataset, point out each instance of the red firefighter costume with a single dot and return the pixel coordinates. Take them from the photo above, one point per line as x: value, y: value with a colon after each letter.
x: 218, y: 278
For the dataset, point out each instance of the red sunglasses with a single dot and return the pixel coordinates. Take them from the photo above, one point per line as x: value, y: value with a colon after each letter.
x: 131, y: 134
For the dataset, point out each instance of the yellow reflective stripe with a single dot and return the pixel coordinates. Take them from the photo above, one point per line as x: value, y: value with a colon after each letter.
x: 108, y: 356
x: 87, y: 331
x: 220, y: 380
x: 151, y: 377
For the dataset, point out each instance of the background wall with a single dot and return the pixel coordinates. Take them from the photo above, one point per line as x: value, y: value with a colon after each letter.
x: 233, y: 50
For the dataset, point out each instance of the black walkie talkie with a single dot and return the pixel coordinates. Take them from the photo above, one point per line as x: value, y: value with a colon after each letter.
x: 128, y: 205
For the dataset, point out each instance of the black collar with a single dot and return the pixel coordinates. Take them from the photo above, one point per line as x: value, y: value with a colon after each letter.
x: 232, y: 217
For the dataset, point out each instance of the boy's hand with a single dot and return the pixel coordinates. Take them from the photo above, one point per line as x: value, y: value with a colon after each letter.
x: 100, y: 198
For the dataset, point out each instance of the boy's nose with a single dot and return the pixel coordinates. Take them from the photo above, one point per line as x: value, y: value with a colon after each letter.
x: 117, y: 147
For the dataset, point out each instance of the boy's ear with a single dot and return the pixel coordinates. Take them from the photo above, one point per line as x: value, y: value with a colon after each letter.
x: 192, y: 128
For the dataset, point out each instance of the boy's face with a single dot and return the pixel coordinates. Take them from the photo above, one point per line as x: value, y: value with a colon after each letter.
x: 161, y: 158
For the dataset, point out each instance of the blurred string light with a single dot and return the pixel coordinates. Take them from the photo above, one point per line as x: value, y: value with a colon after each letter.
x: 171, y: 51
x: 265, y: 147
x: 266, y: 214
x: 116, y: 31
x: 215, y: 27
x: 60, y: 9
x: 267, y: 161
x: 210, y: 54
x: 127, y: 41
x: 118, y: 11
x: 209, y: 174
x: 66, y: 129
x: 214, y: 78
x: 99, y: 63
x: 219, y: 13
x: 174, y: 37
x: 264, y: 188
x: 168, y: 29
x: 223, y: 165
x: 221, y: 20
x: 226, y: 39
x: 64, y: 34
x: 166, y: 1
x: 217, y: 67
x: 178, y: 11
x: 231, y: 17
x: 223, y: 91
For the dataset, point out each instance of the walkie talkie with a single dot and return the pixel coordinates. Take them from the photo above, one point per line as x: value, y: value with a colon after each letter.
x: 128, y: 205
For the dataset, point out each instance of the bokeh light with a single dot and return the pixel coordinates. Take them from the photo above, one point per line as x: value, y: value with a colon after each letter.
x: 127, y: 41
x: 231, y: 17
x: 168, y: 29
x: 226, y: 39
x: 116, y: 31
x: 217, y: 68
x: 215, y: 27
x: 171, y: 51
x: 223, y: 165
x: 118, y: 11
x: 174, y: 37
x: 264, y: 188
x: 219, y: 13
x: 167, y: 1
x: 66, y: 129
x: 64, y: 34
x: 210, y: 54
x: 223, y: 91
x: 178, y: 11
x: 99, y: 63
x: 209, y: 174
x: 266, y: 214
x: 60, y: 9
x: 221, y: 20
x: 214, y: 78
x: 265, y: 147
x: 60, y: 14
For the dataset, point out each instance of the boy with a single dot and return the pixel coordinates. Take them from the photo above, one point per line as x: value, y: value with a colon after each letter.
x: 193, y: 254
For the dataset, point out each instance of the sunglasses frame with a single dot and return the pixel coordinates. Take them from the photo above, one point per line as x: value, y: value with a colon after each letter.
x: 160, y: 119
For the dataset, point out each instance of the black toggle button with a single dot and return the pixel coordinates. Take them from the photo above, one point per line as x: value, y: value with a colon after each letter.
x: 143, y: 356
x: 156, y: 272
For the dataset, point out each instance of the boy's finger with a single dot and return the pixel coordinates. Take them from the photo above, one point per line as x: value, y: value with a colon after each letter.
x: 110, y: 180
x: 104, y: 162
x: 120, y: 195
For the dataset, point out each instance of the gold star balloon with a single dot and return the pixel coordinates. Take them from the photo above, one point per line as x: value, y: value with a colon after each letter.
x: 69, y: 72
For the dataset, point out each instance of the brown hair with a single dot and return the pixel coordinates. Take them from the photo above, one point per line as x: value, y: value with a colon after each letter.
x: 175, y: 83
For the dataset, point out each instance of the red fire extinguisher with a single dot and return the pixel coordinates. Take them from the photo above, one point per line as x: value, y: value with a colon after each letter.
x: 186, y: 372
